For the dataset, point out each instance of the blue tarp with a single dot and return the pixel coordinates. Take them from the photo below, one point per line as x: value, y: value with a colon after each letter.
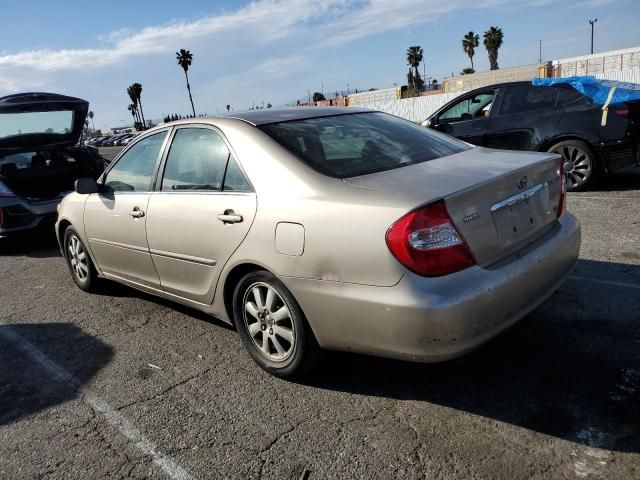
x: 597, y: 90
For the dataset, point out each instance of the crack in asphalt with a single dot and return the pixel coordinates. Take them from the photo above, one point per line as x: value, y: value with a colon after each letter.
x: 166, y: 390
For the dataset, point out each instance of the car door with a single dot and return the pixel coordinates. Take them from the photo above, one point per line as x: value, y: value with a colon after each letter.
x: 525, y: 117
x: 115, y: 218
x: 199, y: 214
x: 467, y: 119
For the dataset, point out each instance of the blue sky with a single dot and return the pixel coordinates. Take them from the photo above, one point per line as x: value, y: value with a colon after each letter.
x: 275, y: 50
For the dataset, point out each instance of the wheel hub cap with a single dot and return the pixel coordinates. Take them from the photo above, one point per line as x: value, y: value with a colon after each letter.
x: 78, y: 259
x: 577, y: 165
x: 269, y: 322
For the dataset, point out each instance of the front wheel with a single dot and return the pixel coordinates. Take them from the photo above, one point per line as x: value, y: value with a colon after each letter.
x: 272, y: 326
x: 82, y: 269
x: 580, y: 166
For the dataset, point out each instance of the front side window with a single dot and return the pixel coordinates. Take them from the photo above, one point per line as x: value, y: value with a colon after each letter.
x: 477, y: 106
x: 350, y: 145
x: 134, y: 170
x: 527, y: 98
x: 196, y: 161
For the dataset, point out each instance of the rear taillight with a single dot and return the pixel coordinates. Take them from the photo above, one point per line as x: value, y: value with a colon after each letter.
x: 427, y: 243
x: 563, y: 189
x: 624, y: 112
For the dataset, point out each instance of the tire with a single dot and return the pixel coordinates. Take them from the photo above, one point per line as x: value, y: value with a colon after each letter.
x: 79, y: 262
x: 580, y: 163
x: 277, y: 336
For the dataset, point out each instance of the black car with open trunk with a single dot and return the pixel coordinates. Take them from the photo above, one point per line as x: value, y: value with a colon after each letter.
x: 39, y: 157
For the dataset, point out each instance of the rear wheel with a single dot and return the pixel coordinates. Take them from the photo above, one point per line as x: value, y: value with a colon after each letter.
x: 272, y: 326
x: 82, y: 269
x: 580, y: 166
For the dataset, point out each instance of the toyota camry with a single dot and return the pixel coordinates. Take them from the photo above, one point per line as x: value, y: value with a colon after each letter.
x: 327, y: 228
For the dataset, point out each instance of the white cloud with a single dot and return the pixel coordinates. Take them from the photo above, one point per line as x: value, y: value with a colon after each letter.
x: 332, y: 22
x: 282, y: 66
x: 263, y: 20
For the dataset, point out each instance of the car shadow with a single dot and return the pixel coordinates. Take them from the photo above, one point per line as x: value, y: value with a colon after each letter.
x: 30, y: 383
x: 39, y: 243
x: 571, y: 369
x: 621, y: 182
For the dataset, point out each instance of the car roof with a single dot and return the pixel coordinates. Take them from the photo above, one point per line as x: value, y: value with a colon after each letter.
x: 277, y: 115
x: 503, y: 85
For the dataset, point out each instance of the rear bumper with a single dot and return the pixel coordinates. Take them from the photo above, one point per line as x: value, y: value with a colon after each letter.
x: 20, y: 216
x: 621, y: 156
x: 435, y: 319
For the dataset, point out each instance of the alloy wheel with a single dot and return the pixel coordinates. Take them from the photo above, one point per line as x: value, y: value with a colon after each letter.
x: 578, y: 165
x: 268, y: 320
x: 78, y: 259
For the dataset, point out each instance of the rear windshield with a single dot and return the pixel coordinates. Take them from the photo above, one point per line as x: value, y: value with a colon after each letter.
x: 16, y: 124
x: 356, y: 144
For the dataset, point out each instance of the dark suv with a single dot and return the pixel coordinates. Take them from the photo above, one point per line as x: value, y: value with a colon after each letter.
x: 558, y: 118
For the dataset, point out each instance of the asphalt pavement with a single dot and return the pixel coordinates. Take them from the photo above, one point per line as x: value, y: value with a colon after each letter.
x: 120, y: 384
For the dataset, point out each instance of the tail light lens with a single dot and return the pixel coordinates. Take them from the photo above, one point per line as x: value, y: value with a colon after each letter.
x: 426, y: 242
x: 563, y: 189
x: 622, y: 112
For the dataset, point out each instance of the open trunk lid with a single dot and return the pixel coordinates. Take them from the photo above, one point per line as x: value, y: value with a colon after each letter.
x: 34, y: 120
x: 498, y: 200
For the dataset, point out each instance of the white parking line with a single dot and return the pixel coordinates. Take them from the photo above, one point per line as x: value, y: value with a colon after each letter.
x: 611, y: 283
x: 112, y: 416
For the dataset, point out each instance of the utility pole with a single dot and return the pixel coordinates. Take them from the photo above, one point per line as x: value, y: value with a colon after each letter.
x: 322, y: 87
x: 592, y: 22
x: 348, y: 92
x: 540, y: 57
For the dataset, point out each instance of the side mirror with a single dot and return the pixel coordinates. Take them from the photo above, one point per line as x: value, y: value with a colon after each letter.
x: 429, y: 123
x: 86, y: 186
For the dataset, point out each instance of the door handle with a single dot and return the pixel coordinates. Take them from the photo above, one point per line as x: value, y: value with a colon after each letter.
x: 229, y: 216
x: 136, y: 212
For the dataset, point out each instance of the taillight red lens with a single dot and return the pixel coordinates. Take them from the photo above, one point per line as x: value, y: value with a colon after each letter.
x: 426, y: 242
x: 563, y: 189
x: 622, y: 112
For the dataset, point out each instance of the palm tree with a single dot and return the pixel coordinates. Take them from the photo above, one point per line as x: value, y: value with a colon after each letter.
x: 492, y: 42
x: 91, y: 117
x: 134, y: 103
x: 185, y: 58
x: 137, y: 92
x: 134, y: 112
x: 469, y: 43
x: 415, y: 55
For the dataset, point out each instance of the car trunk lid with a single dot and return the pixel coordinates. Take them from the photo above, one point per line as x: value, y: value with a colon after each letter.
x: 499, y: 201
x: 34, y: 120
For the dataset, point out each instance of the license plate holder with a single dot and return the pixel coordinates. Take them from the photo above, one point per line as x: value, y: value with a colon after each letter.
x: 519, y: 216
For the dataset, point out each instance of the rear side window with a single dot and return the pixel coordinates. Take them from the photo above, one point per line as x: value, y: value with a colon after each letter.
x: 527, y: 98
x: 567, y: 94
x: 234, y: 180
x: 351, y: 145
x: 134, y: 170
x: 196, y: 161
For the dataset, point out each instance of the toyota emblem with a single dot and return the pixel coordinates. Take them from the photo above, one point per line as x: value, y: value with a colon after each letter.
x: 522, y: 182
